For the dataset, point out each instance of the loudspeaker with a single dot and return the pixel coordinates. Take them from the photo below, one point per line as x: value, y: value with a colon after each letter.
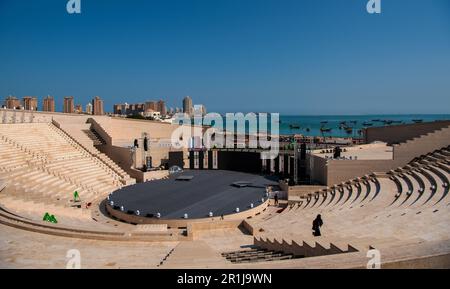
x: 148, y: 161
x: 303, y: 151
x: 145, y: 144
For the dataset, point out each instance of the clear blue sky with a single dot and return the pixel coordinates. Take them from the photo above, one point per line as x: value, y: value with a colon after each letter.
x: 287, y: 56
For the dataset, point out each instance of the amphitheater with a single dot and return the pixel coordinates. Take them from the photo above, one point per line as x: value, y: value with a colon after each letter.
x: 398, y: 205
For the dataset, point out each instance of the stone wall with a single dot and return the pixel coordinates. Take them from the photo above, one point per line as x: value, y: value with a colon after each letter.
x: 299, y: 191
x: 401, y: 133
x: 214, y: 222
x: 329, y: 172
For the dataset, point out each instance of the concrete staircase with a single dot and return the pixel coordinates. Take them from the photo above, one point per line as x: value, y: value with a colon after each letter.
x: 42, y: 167
x: 408, y: 150
x: 194, y: 254
x: 306, y: 247
x: 95, y: 137
x: 85, y: 136
x: 257, y: 255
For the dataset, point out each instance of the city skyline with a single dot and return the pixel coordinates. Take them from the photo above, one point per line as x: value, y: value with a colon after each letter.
x: 42, y: 101
x: 233, y: 55
x: 59, y: 107
x: 47, y: 104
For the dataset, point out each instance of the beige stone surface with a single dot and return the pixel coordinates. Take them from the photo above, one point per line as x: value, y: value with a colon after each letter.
x: 22, y: 249
x: 375, y: 151
x: 194, y: 254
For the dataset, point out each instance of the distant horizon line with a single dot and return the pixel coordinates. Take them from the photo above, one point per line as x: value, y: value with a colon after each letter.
x: 307, y: 115
x: 348, y: 114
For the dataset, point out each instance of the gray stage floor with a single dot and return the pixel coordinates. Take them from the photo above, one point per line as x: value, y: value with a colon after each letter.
x: 208, y: 191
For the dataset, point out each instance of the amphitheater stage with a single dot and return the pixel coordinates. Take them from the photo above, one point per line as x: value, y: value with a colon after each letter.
x: 192, y: 192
